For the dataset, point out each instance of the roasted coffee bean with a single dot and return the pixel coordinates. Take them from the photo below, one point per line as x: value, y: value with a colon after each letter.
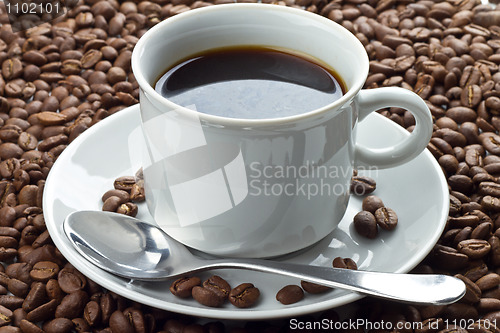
x: 244, y: 296
x: 314, y: 288
x: 365, y: 224
x: 5, y: 316
x: 111, y: 204
x: 44, y: 271
x: 90, y: 58
x: 449, y: 163
x: 461, y: 114
x: 489, y: 281
x: 53, y: 290
x: 20, y: 271
x: 137, y: 193
x: 371, y: 203
x: 17, y: 287
x: 80, y: 325
x: 473, y: 158
x: 386, y: 218
x: 35, y: 297
x: 108, y: 305
x: 58, y: 325
x: 10, y: 329
x: 70, y: 280
x: 182, y: 287
x: 43, y: 312
x: 92, y: 313
x: 12, y: 68
x: 461, y: 183
x: 10, y: 150
x: 173, y: 325
x: 124, y: 183
x: 346, y: 263
x: 474, y: 248
x: 489, y: 188
x: 488, y: 305
x: 207, y: 297
x: 72, y: 305
x: 449, y: 258
x: 495, y: 248
x: 128, y: 208
x: 471, y: 96
x: 490, y: 203
x: 48, y: 118
x: 123, y: 195
x: 458, y: 311
x: 473, y: 293
x: 27, y: 326
x: 290, y: 294
x: 490, y: 142
x: 218, y: 286
x: 27, y: 141
x: 482, y: 231
x: 138, y: 320
x: 362, y: 185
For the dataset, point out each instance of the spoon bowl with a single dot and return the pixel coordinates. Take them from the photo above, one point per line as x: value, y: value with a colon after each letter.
x: 126, y: 246
x: 130, y: 248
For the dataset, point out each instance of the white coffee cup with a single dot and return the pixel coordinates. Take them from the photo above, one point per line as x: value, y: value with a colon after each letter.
x: 259, y: 187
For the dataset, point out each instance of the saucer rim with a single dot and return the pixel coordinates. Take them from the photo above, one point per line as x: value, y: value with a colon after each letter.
x: 109, y: 281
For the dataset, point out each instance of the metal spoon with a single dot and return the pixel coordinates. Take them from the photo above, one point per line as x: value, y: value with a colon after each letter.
x: 133, y: 249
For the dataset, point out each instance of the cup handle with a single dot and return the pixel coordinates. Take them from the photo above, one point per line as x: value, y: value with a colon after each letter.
x: 370, y: 100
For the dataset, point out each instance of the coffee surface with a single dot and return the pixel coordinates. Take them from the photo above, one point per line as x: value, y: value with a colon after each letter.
x: 250, y: 82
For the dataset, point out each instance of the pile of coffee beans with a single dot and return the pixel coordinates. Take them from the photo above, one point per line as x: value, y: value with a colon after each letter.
x: 215, y: 291
x: 123, y: 198
x: 60, y: 78
x: 375, y: 214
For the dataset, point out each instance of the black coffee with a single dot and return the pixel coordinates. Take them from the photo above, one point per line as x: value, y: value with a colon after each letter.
x: 250, y: 82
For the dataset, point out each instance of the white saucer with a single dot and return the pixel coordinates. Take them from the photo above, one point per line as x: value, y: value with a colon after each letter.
x: 417, y: 191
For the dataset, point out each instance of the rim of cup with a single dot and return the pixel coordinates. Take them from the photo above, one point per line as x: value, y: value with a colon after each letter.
x: 149, y: 90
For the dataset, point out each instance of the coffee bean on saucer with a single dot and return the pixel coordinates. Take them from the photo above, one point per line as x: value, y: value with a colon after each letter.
x: 371, y: 203
x: 365, y: 224
x: 123, y: 195
x: 128, y: 208
x: 111, y: 204
x: 386, y: 218
x: 314, y: 288
x: 137, y: 192
x: 290, y: 294
x: 217, y: 285
x: 362, y: 185
x: 207, y: 297
x: 124, y: 183
x: 346, y: 263
x: 182, y: 287
x: 244, y: 296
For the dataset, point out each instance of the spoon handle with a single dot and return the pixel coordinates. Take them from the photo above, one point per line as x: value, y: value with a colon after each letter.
x: 410, y: 288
